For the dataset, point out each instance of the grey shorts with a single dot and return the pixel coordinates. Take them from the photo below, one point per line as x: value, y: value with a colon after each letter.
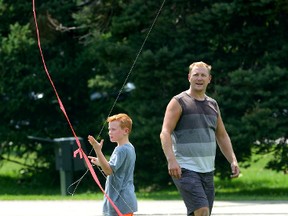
x: 196, y: 189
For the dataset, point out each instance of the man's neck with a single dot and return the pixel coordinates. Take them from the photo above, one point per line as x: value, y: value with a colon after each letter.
x: 196, y: 95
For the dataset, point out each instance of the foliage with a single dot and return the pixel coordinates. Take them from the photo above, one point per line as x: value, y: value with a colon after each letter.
x: 28, y: 105
x: 90, y: 48
x: 256, y: 183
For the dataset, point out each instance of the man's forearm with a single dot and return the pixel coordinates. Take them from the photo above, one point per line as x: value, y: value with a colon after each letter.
x: 227, y: 149
x: 166, y: 143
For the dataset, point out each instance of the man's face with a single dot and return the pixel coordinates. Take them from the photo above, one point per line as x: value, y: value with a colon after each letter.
x: 199, y: 78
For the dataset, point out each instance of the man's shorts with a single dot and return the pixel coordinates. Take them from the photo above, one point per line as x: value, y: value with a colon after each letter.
x: 196, y: 189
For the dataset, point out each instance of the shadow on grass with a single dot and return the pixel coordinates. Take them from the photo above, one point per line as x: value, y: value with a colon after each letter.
x: 14, y: 186
x: 11, y: 186
x: 247, y: 189
x: 226, y: 190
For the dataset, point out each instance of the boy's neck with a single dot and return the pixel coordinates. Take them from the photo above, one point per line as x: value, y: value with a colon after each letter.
x: 123, y: 141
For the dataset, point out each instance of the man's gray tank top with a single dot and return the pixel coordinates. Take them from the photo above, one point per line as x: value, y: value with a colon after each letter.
x: 194, y: 141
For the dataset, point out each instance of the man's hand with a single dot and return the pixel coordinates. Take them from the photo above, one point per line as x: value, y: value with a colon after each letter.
x: 235, y: 170
x: 174, y: 169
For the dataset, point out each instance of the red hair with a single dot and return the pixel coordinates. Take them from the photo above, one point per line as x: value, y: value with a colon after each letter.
x: 124, y: 119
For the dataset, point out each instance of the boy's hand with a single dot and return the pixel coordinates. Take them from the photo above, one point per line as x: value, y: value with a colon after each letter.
x: 96, y: 145
x: 94, y: 160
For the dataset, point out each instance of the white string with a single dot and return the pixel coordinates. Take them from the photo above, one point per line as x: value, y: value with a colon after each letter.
x: 133, y: 65
x: 115, y: 101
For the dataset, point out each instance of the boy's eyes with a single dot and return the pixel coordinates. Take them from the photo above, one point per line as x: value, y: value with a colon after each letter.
x: 111, y: 129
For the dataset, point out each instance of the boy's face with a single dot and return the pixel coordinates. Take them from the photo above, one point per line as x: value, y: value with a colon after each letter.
x: 116, y: 133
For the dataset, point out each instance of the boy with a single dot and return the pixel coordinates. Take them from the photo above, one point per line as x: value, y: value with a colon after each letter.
x: 120, y: 168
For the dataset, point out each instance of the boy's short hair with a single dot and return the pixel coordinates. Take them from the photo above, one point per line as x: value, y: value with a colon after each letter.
x: 124, y: 119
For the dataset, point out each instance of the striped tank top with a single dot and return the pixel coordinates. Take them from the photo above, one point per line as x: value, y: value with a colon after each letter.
x: 194, y: 141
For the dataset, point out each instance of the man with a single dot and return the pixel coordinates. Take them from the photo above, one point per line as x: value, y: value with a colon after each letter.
x: 191, y: 128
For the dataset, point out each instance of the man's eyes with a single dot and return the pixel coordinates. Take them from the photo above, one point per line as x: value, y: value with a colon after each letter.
x: 197, y: 75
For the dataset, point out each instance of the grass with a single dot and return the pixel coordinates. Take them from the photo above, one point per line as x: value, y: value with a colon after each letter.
x: 255, y: 183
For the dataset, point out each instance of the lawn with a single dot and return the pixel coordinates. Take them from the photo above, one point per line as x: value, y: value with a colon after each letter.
x: 255, y: 183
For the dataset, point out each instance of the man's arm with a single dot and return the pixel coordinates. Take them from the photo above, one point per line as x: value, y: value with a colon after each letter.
x: 226, y: 148
x: 172, y: 115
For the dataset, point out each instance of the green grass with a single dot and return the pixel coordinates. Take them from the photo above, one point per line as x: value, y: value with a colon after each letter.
x: 255, y: 183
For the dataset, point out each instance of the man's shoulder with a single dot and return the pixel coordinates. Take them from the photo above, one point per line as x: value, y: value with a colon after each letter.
x: 180, y: 95
x: 212, y: 103
x: 212, y: 100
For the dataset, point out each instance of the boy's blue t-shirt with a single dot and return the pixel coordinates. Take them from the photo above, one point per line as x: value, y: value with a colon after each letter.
x: 120, y: 184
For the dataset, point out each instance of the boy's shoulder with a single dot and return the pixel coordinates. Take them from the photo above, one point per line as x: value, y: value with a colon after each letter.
x: 125, y: 147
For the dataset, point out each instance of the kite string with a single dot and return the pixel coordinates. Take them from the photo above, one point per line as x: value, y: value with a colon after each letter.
x: 77, y: 182
x: 79, y: 150
x: 133, y: 64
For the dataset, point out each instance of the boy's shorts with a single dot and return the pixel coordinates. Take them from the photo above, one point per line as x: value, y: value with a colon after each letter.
x: 196, y: 189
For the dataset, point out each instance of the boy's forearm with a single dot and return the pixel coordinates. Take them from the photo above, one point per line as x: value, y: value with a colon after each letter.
x: 103, y: 163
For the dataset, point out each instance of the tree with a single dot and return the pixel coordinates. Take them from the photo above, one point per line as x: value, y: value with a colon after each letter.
x: 90, y: 48
x: 28, y: 104
x: 235, y: 37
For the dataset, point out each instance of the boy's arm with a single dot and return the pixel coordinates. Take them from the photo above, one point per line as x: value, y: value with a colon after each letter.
x: 103, y: 163
x: 94, y: 160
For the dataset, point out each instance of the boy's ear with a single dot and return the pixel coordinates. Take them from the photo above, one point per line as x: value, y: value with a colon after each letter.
x: 127, y: 130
